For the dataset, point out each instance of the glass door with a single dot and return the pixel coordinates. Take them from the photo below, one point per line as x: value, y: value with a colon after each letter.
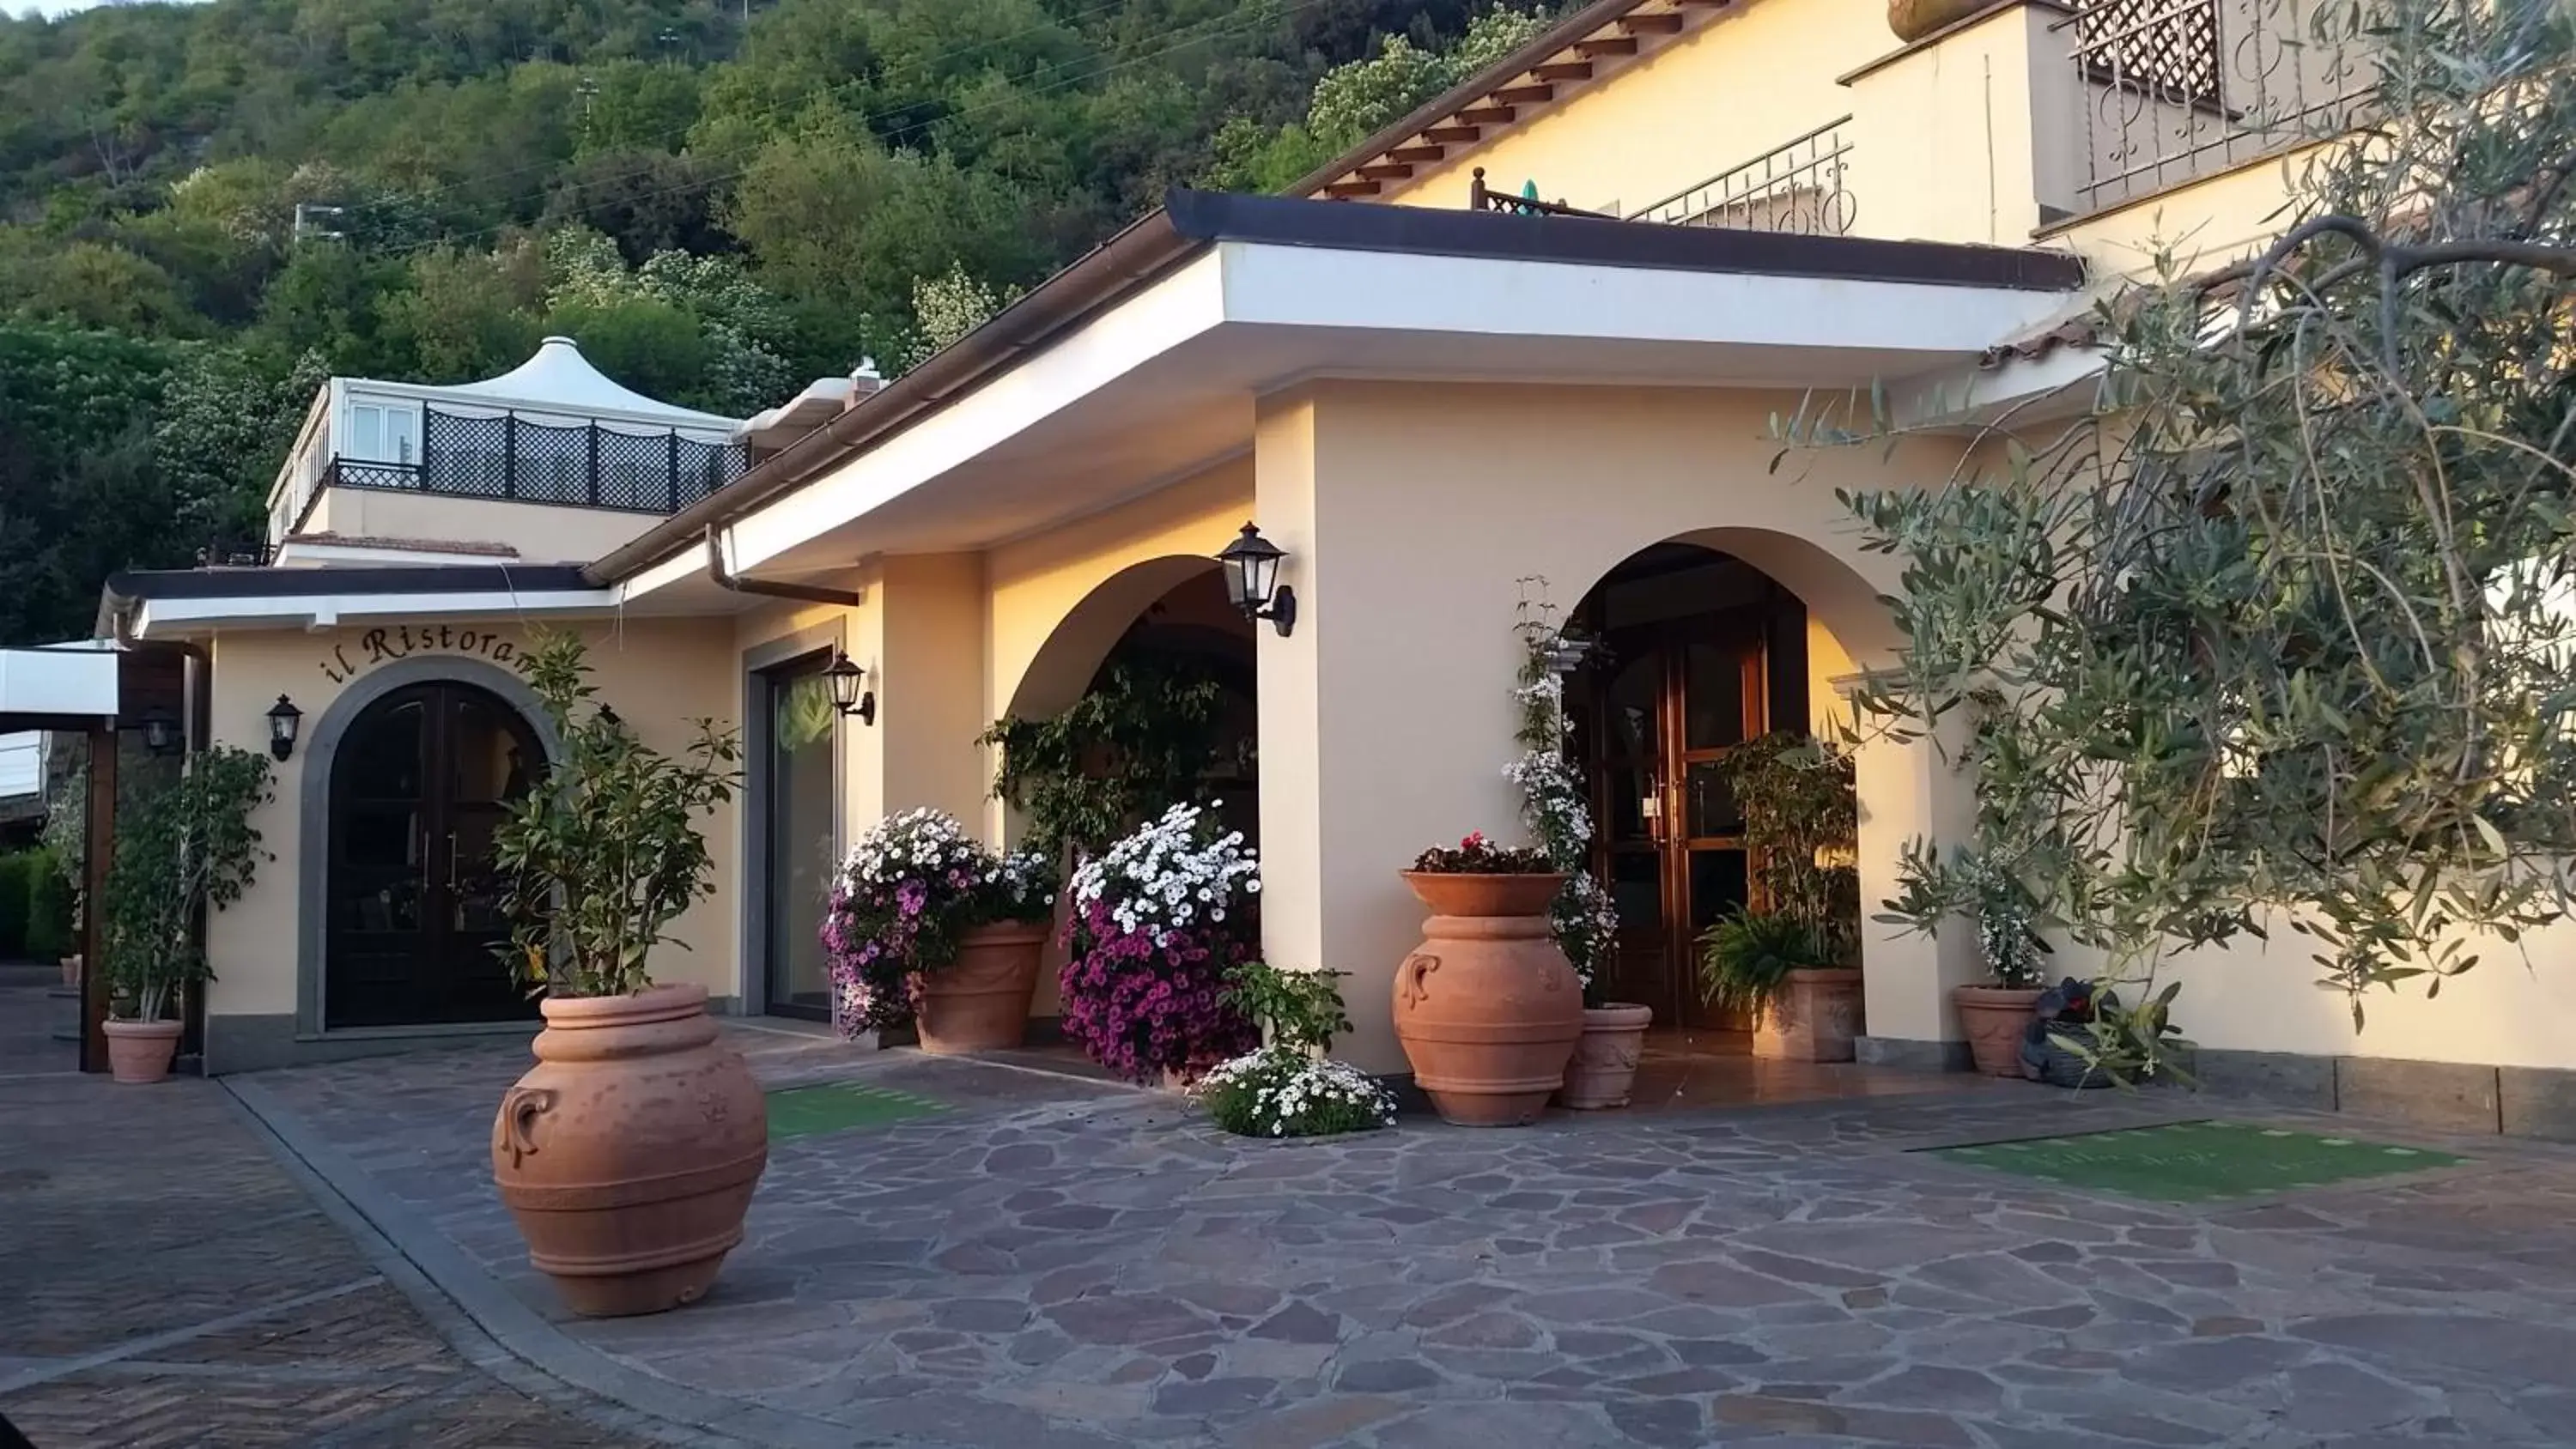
x: 1668, y: 700
x: 801, y: 822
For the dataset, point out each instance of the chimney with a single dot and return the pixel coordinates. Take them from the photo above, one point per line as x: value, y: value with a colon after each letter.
x: 865, y: 383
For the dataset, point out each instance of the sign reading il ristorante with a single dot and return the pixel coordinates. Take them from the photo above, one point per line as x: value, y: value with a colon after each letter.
x: 404, y: 640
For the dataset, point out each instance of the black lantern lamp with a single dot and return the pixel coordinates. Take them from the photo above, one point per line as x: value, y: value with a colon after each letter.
x: 850, y: 694
x: 161, y: 734
x: 1252, y: 580
x: 284, y: 720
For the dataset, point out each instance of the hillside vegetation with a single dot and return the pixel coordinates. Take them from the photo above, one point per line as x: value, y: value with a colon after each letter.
x: 720, y: 201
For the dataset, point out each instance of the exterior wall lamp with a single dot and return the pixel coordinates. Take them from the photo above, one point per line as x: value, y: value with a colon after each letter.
x: 161, y: 734
x: 850, y: 694
x: 1252, y: 580
x: 284, y: 721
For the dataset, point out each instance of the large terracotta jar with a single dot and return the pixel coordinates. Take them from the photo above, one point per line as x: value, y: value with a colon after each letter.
x: 1487, y: 1008
x: 629, y: 1153
x: 980, y: 1001
x: 1814, y: 1017
x: 1603, y: 1072
x: 1995, y: 1018
x: 140, y: 1052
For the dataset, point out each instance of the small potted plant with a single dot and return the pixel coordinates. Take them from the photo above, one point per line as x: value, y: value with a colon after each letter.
x: 1290, y: 1087
x: 1487, y: 1008
x: 929, y: 929
x: 1603, y: 1071
x: 629, y: 1153
x: 1788, y: 960
x: 1996, y: 1015
x: 2080, y: 1035
x: 1776, y: 970
x: 183, y: 848
x: 1159, y: 919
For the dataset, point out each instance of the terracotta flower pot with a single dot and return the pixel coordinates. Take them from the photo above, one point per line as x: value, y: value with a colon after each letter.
x: 1812, y: 1019
x: 629, y: 1153
x: 71, y: 970
x: 1995, y: 1018
x: 1487, y: 1009
x: 1604, y: 1068
x: 141, y: 1051
x: 980, y: 1001
x: 1914, y: 19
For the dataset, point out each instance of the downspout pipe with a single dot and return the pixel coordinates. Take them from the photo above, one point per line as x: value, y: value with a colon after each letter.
x: 725, y: 578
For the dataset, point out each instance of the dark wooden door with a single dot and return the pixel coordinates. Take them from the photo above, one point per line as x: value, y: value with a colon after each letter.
x: 421, y: 781
x: 1666, y: 702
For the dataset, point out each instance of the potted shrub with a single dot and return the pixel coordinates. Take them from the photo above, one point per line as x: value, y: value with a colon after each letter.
x: 1290, y: 1086
x: 629, y: 1153
x: 1776, y: 970
x: 929, y: 929
x: 1159, y: 918
x: 1996, y: 1016
x: 2080, y: 1035
x: 1802, y: 830
x: 181, y: 849
x: 1603, y: 1071
x: 1487, y: 1008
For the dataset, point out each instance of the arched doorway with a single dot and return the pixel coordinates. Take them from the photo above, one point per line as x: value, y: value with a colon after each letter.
x: 421, y: 779
x: 1694, y: 653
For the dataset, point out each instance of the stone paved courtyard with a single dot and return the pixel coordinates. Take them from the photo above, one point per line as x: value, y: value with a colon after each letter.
x: 1053, y: 1263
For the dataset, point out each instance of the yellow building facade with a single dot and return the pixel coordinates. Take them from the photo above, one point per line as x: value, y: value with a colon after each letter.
x: 1540, y: 328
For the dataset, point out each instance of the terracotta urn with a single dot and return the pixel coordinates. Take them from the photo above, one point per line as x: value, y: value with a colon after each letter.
x: 1914, y: 19
x: 71, y: 970
x: 1813, y: 1018
x: 980, y: 1001
x: 1487, y: 1008
x: 628, y: 1154
x: 1995, y: 1018
x: 139, y: 1052
x: 1604, y: 1068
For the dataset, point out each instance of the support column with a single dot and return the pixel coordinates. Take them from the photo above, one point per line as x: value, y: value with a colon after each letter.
x: 928, y: 671
x: 99, y: 849
x: 1386, y: 717
x: 1910, y: 791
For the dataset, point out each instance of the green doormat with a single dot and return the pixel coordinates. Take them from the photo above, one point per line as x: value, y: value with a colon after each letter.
x: 840, y: 1106
x: 2196, y: 1161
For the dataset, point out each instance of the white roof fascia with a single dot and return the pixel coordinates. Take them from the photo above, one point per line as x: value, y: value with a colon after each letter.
x: 323, y: 611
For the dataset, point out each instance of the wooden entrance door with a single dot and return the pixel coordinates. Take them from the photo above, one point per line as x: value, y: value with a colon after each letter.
x: 421, y: 781
x: 1668, y: 700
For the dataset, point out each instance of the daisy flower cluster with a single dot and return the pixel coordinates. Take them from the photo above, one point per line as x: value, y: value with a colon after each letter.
x: 1173, y: 874
x: 1282, y: 1092
x: 1159, y: 921
x: 1552, y: 790
x: 910, y: 887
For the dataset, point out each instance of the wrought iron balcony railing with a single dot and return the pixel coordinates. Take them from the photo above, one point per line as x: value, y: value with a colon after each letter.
x: 1799, y: 187
x: 509, y: 457
x: 2175, y: 90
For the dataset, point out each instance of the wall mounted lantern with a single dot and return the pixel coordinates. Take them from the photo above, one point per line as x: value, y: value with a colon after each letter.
x: 161, y: 734
x: 284, y: 720
x: 1252, y: 580
x: 850, y: 694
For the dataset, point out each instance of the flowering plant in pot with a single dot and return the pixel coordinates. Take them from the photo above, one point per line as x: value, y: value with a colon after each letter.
x: 1290, y: 1087
x: 1487, y: 1008
x: 930, y: 929
x: 185, y: 847
x: 1603, y: 1071
x: 1159, y: 918
x: 2080, y: 1034
x: 629, y: 1153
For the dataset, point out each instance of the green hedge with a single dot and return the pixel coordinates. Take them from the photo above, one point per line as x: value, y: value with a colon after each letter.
x: 17, y: 879
x: 49, y: 910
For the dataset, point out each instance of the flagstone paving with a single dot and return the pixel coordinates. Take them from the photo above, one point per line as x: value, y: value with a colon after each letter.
x: 1051, y: 1264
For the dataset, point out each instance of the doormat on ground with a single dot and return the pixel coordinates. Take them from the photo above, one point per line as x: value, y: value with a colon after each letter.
x: 2196, y: 1161
x: 840, y: 1106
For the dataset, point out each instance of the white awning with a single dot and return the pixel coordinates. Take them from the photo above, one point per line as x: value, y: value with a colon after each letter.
x: 71, y: 683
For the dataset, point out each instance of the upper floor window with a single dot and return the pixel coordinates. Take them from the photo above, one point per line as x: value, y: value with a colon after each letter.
x: 382, y: 433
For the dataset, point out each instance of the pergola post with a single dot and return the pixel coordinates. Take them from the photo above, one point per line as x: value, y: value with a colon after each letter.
x: 98, y: 849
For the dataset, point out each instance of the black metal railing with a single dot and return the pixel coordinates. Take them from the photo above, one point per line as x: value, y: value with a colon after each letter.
x: 2175, y: 90
x: 1800, y: 186
x: 506, y: 456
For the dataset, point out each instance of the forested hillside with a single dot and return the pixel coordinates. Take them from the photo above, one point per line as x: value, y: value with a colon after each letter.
x: 721, y: 201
